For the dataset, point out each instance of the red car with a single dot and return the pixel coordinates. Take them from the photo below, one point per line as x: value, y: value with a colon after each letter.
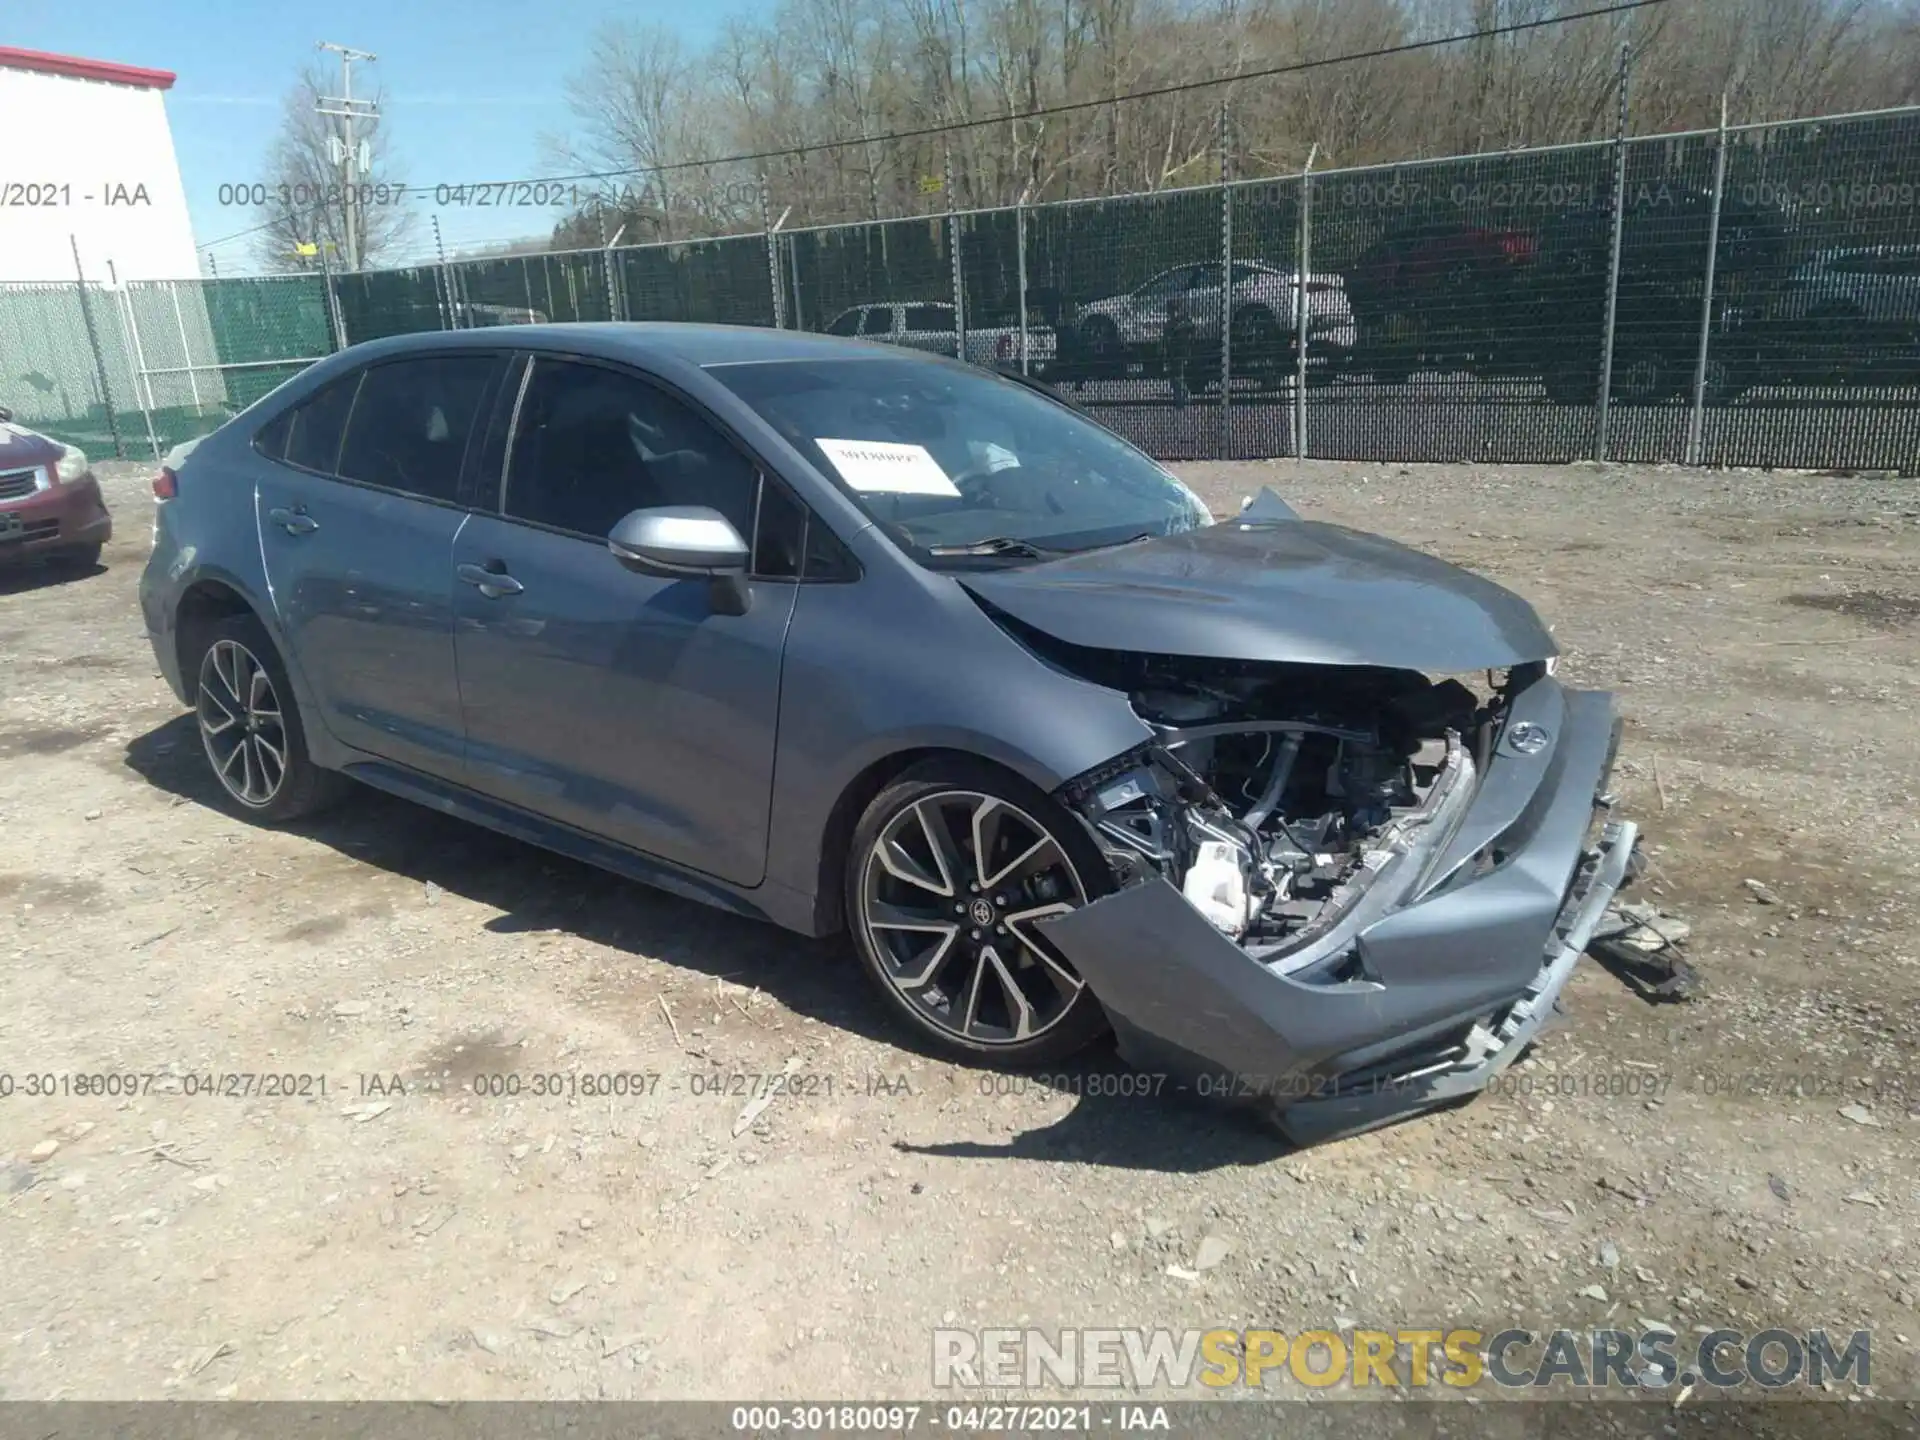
x: 49, y: 501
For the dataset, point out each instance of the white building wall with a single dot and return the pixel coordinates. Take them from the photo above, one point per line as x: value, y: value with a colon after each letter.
x: 85, y: 150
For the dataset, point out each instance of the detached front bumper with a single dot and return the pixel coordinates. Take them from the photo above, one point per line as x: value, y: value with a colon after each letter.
x: 1426, y: 999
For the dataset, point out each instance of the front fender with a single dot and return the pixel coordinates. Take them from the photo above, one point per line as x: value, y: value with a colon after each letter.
x: 854, y: 692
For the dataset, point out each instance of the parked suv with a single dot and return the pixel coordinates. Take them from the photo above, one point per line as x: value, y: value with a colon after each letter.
x: 1848, y: 315
x: 49, y: 501
x: 1120, y: 330
x: 929, y: 326
x: 1430, y: 296
x: 1520, y: 302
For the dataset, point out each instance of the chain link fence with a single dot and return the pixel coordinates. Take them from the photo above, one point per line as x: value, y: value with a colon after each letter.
x: 1741, y: 296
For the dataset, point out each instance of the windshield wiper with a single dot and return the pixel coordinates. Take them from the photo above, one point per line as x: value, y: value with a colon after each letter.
x: 998, y: 545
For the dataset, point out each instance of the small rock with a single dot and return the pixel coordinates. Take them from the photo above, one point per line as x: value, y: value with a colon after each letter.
x: 1180, y: 1272
x: 565, y: 1291
x: 91, y: 815
x: 491, y: 1341
x: 1117, y: 1240
x: 1761, y: 892
x: 1213, y: 1249
x: 1862, y: 1197
x: 1595, y: 1292
x: 1858, y: 1114
x: 1609, y: 1254
x: 1779, y: 1189
x: 586, y: 1222
x: 347, y: 1009
x: 16, y: 1177
x: 433, y: 893
x: 45, y: 1150
x: 551, y: 1328
x: 521, y: 1151
x: 1156, y: 1227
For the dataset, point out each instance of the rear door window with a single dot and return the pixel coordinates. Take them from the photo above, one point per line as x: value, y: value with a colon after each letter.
x: 410, y: 424
x: 935, y: 318
x: 879, y: 321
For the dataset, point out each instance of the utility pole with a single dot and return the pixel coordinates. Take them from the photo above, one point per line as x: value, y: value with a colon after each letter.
x: 353, y: 159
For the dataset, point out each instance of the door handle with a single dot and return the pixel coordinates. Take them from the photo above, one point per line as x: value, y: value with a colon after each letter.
x: 490, y: 583
x: 294, y: 522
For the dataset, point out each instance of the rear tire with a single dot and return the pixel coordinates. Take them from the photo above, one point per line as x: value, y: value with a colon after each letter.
x: 250, y: 726
x: 949, y: 940
x: 1100, y: 343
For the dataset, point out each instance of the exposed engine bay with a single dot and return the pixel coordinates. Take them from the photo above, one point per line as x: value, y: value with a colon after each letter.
x: 1274, y: 795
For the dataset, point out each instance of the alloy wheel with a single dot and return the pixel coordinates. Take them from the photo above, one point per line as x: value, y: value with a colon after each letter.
x: 952, y: 890
x: 241, y: 724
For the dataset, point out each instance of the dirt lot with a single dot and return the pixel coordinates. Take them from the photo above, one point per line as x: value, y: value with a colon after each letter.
x: 1745, y: 1160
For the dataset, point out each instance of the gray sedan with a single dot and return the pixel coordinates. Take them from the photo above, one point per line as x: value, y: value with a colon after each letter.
x: 854, y: 639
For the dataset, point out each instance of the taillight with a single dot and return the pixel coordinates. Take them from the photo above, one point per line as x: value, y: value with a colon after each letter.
x: 166, y: 484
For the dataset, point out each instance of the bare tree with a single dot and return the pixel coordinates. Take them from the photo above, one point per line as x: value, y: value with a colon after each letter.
x: 305, y: 202
x: 829, y: 82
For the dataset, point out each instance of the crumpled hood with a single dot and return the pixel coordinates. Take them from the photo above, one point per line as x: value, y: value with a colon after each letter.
x: 1296, y: 591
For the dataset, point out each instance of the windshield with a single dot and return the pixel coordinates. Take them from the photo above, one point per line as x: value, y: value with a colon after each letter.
x: 946, y: 456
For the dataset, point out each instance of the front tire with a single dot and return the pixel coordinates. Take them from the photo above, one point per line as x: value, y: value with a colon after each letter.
x: 250, y: 725
x: 951, y: 868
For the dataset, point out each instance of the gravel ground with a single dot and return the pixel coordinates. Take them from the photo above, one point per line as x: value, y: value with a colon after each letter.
x: 1744, y: 1160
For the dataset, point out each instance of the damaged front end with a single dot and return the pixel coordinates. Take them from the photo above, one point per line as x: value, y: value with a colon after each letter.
x: 1347, y: 893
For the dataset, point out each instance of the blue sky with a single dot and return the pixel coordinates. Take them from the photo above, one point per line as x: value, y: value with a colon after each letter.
x: 470, y: 85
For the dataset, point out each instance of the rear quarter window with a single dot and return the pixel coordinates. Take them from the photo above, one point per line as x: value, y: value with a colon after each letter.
x: 316, y: 426
x: 271, y: 439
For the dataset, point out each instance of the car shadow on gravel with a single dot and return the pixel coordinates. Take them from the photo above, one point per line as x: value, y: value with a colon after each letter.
x: 539, y: 891
x: 1123, y: 1119
x: 41, y: 574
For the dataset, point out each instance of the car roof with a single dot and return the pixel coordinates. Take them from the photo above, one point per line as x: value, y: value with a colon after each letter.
x: 700, y: 345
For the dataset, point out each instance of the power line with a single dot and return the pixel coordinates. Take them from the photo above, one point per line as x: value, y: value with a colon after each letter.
x: 1070, y: 107
x: 1042, y: 112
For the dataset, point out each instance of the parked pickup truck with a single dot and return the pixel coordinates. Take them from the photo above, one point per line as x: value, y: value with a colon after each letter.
x: 929, y: 326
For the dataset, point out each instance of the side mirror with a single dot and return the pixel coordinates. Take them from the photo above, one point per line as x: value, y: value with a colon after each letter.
x: 678, y: 540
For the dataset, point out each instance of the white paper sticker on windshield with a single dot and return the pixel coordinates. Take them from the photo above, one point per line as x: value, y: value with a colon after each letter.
x: 882, y: 467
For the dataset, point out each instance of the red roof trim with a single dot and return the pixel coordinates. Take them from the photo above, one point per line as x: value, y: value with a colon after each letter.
x: 12, y: 59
